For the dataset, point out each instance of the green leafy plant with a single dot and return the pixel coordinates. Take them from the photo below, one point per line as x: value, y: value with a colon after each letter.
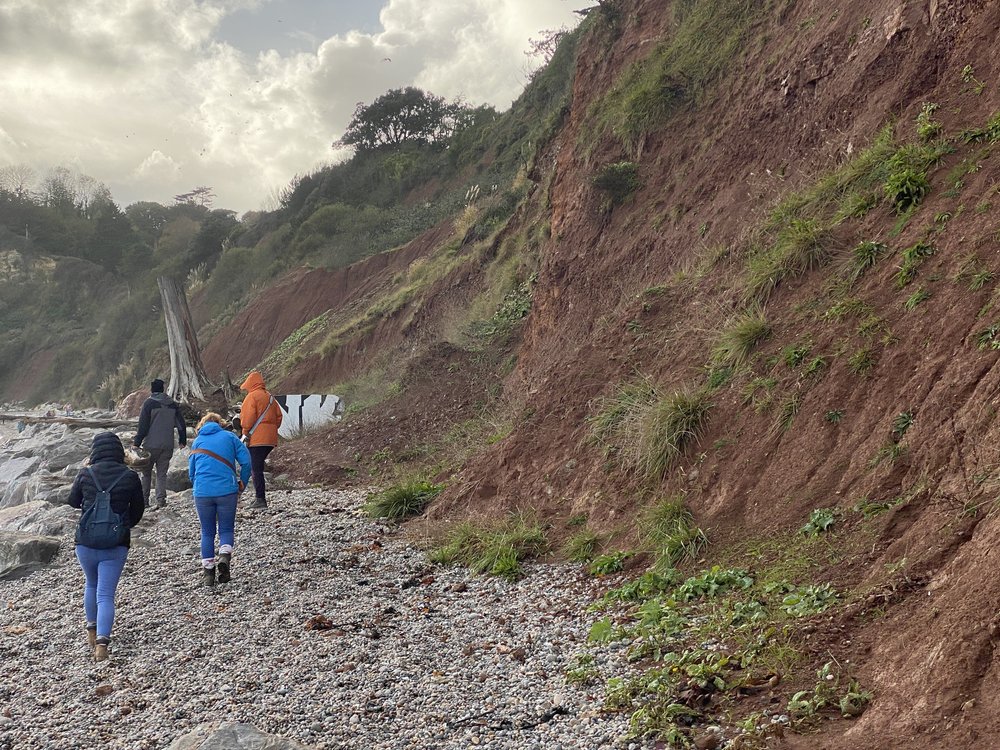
x: 583, y: 670
x: 834, y: 416
x: 853, y: 702
x: 613, y: 562
x: 913, y: 258
x: 820, y: 521
x: 809, y: 600
x: 901, y: 423
x: 605, y: 631
x: 906, y: 189
x: 794, y: 355
x: 713, y: 582
x: 402, y: 500
x: 927, y: 128
x: 989, y: 337
x: 969, y: 76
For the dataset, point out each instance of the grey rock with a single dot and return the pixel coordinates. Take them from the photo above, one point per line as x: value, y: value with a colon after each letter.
x: 21, y: 553
x: 178, y: 479
x: 40, y: 518
x: 232, y: 736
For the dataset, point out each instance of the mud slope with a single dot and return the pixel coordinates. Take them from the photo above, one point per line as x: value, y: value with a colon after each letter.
x: 644, y: 289
x: 812, y: 89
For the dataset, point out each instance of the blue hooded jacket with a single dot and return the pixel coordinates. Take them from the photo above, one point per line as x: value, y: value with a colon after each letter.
x: 211, y: 477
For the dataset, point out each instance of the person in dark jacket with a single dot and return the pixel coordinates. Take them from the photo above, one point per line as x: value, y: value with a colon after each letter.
x: 103, y: 567
x: 159, y: 417
x: 217, y: 486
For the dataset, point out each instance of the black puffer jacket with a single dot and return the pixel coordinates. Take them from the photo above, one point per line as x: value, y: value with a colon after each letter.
x: 107, y: 461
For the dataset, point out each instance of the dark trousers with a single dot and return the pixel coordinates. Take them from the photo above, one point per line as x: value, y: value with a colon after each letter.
x: 161, y: 462
x: 258, y: 454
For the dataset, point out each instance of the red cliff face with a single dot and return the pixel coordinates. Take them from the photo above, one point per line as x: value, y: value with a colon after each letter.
x: 644, y: 290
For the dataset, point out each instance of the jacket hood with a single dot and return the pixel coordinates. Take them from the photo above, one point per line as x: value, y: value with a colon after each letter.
x: 107, y: 446
x: 253, y: 382
x: 163, y: 398
x: 210, y: 428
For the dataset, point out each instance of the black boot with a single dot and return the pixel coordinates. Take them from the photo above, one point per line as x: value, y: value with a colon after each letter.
x: 224, y: 561
x: 209, y: 577
x: 258, y: 504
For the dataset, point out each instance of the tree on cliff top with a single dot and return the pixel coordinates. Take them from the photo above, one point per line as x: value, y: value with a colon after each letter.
x: 400, y: 116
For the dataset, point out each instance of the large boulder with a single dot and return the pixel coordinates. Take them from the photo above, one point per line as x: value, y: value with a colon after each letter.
x: 14, y: 474
x: 22, y: 553
x: 178, y: 479
x: 49, y: 488
x: 39, y: 517
x: 69, y: 449
x: 232, y: 736
x: 130, y: 406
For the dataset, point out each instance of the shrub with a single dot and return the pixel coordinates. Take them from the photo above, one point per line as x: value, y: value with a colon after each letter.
x: 608, y: 564
x: 402, y: 500
x: 581, y: 546
x: 668, y: 527
x: 802, y: 245
x: 619, y: 415
x: 906, y: 188
x: 927, y: 128
x: 618, y: 180
x: 740, y: 337
x: 819, y: 521
x: 672, y: 425
x: 497, y: 549
x: 865, y: 256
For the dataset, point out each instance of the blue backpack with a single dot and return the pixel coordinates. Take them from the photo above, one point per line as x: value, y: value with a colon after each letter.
x: 100, y: 527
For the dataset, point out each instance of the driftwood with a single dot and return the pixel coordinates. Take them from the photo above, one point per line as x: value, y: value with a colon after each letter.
x: 188, y: 381
x: 71, y: 421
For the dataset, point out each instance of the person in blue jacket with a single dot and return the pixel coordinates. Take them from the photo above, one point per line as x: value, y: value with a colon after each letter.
x: 217, y: 484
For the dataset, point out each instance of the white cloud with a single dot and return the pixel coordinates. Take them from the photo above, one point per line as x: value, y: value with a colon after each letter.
x: 143, y: 96
x: 157, y: 166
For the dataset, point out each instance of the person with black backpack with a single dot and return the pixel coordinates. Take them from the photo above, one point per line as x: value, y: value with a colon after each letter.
x: 159, y: 417
x: 110, y: 495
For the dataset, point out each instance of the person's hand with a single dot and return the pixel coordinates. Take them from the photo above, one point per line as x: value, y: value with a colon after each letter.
x: 239, y: 483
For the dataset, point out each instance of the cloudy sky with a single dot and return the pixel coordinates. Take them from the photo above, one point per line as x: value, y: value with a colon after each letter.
x: 155, y: 97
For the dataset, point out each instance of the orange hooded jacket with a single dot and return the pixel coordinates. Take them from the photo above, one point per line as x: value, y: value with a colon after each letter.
x: 253, y: 406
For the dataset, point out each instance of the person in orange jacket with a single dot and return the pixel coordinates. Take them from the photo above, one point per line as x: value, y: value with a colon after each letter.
x: 260, y: 418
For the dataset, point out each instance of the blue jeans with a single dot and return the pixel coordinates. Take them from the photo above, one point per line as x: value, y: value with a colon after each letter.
x: 212, y: 511
x: 103, y: 569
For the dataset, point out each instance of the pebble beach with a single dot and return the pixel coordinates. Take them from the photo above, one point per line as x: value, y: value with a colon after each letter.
x: 334, y: 632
